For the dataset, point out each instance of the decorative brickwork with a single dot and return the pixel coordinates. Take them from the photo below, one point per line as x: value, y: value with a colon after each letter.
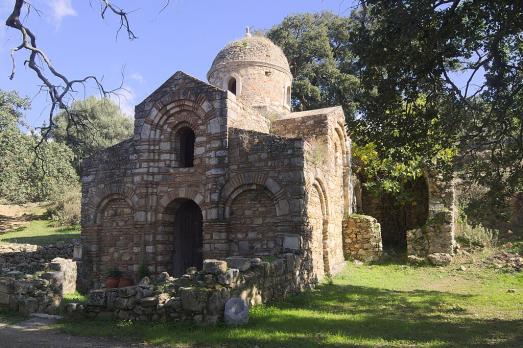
x: 260, y: 181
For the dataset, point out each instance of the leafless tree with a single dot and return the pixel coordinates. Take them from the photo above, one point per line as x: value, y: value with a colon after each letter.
x: 60, y: 88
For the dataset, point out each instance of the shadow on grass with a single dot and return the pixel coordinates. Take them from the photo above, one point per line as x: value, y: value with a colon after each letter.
x: 334, y: 316
x: 42, y: 240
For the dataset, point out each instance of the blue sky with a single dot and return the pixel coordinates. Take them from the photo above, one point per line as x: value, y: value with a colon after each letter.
x: 185, y: 36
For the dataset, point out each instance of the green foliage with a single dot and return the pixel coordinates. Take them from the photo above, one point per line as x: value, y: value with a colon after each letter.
x: 396, y: 139
x: 320, y: 59
x: 30, y: 170
x: 103, y: 125
x: 465, y: 60
x: 64, y: 207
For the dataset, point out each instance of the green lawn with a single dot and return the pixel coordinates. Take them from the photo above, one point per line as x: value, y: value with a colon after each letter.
x: 40, y: 232
x: 368, y: 306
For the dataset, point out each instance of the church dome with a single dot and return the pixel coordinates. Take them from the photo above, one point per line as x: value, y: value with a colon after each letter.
x: 252, y: 49
x: 256, y: 72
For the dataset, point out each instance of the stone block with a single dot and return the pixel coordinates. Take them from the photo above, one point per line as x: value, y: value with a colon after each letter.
x: 439, y: 259
x: 214, y: 266
x: 240, y: 263
x: 193, y: 299
x: 236, y: 312
x: 291, y: 242
x: 96, y: 298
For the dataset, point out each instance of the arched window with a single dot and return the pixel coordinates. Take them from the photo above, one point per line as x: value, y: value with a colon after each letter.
x: 288, y: 96
x: 231, y: 86
x: 185, y: 147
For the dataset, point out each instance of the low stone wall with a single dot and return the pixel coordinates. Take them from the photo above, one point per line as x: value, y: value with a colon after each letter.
x: 42, y: 292
x: 28, y: 258
x: 362, y: 238
x: 200, y: 296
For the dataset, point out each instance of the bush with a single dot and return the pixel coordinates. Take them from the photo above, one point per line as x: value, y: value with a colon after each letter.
x: 475, y: 236
x: 64, y: 207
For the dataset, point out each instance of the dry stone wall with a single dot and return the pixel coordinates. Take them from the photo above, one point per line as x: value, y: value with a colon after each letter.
x: 41, y: 292
x: 362, y: 238
x: 200, y: 296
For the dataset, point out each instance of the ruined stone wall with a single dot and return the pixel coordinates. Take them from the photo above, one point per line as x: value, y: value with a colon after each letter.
x: 42, y: 292
x: 201, y: 296
x: 362, y: 238
x: 437, y: 235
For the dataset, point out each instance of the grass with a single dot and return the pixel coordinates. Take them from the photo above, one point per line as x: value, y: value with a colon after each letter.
x: 367, y: 306
x: 40, y: 232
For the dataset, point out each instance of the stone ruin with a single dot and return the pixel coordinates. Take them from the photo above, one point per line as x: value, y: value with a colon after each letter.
x: 225, y: 168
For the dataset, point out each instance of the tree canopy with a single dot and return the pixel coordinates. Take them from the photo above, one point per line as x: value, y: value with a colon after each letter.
x: 28, y: 172
x: 104, y: 125
x: 423, y: 83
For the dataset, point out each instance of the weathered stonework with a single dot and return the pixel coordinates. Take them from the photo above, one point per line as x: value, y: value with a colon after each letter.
x: 200, y: 296
x: 253, y: 180
x: 362, y: 238
x: 42, y: 292
x: 436, y: 236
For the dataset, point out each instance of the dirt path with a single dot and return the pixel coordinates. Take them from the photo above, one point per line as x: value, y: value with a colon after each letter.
x: 35, y: 332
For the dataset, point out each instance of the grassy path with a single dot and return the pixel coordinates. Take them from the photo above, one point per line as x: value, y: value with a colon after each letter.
x: 367, y: 306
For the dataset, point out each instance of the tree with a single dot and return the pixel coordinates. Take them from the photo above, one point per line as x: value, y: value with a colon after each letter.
x: 106, y: 125
x: 394, y: 142
x: 60, y: 88
x: 322, y: 63
x: 465, y: 56
x: 440, y: 85
x: 27, y: 174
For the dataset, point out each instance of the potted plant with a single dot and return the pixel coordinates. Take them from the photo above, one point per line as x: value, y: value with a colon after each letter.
x: 113, y: 278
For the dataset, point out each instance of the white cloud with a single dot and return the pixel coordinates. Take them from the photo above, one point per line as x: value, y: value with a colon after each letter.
x: 137, y: 77
x: 61, y: 9
x: 125, y: 98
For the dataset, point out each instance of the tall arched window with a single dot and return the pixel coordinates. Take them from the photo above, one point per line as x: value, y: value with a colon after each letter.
x: 288, y: 96
x: 231, y: 86
x: 185, y: 147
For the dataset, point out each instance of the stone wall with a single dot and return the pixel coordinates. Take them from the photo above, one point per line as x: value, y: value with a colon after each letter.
x: 41, y: 292
x: 362, y: 238
x: 29, y: 259
x: 200, y: 296
x: 437, y: 235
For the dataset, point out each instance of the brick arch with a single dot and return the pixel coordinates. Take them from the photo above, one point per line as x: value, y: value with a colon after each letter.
x: 108, y: 199
x: 177, y: 103
x: 320, y: 237
x: 104, y: 195
x: 322, y: 192
x: 183, y: 193
x: 248, y: 181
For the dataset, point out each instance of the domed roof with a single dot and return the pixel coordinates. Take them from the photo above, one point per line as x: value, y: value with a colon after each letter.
x: 255, y: 49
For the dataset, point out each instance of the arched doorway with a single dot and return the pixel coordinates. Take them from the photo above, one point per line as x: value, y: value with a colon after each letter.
x: 188, y: 237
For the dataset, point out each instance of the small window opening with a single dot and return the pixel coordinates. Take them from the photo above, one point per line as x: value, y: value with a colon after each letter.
x: 185, y: 137
x: 232, y: 85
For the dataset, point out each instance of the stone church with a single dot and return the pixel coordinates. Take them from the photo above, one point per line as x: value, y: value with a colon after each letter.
x: 225, y: 168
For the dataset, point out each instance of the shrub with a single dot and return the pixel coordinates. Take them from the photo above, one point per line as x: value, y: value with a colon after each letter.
x: 475, y: 236
x: 64, y: 207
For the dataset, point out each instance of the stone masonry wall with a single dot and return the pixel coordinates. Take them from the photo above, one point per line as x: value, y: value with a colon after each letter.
x: 327, y: 173
x: 437, y: 235
x: 41, y: 292
x: 362, y: 238
x: 200, y: 296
